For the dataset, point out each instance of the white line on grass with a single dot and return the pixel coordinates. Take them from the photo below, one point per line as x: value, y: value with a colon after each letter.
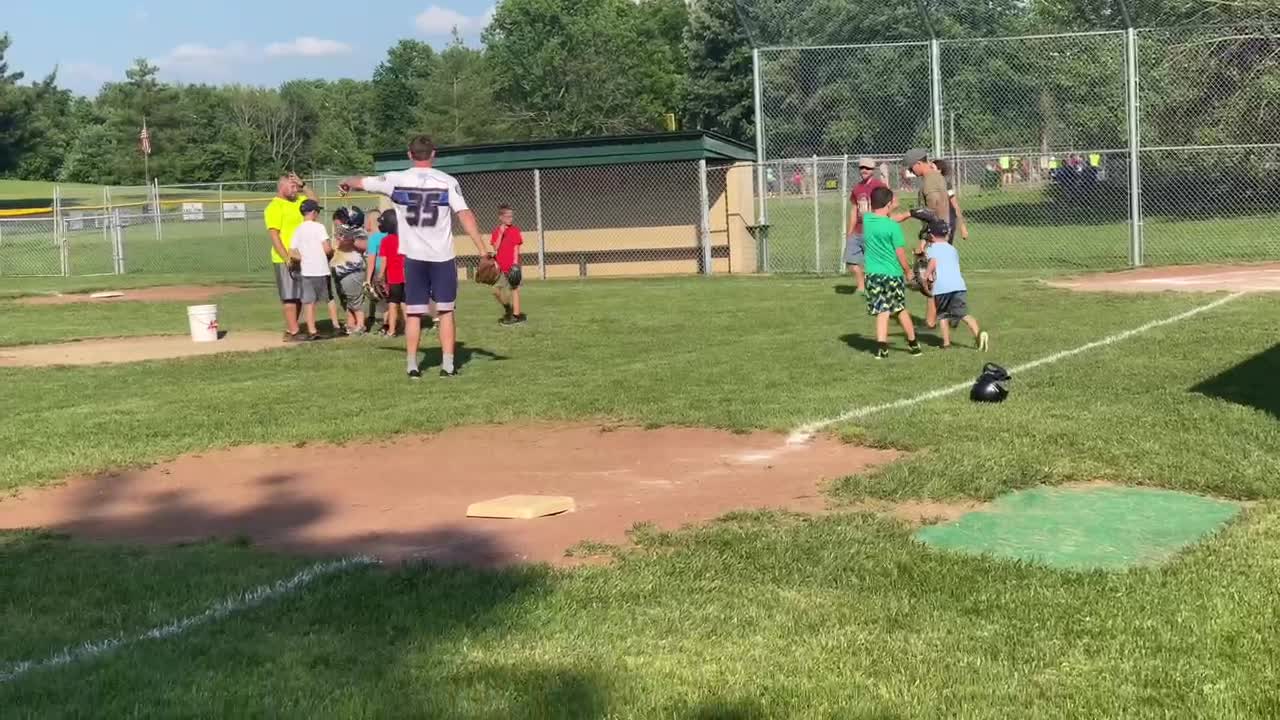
x: 219, y: 610
x: 804, y: 433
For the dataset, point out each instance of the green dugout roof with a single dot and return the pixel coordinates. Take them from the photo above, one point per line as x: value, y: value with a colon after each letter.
x: 580, y: 152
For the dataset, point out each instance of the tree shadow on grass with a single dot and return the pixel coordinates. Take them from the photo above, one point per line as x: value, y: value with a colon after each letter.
x: 415, y: 639
x: 1252, y: 383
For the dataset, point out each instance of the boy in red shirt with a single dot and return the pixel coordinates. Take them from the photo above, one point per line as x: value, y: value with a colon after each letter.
x: 394, y: 264
x: 506, y: 241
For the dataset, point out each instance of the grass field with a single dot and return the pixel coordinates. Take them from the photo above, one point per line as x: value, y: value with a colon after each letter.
x: 757, y: 615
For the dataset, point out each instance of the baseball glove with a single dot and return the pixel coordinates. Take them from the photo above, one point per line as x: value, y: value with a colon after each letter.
x: 487, y: 271
x: 375, y: 290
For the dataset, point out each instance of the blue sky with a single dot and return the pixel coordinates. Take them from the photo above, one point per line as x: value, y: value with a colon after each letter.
x: 255, y: 43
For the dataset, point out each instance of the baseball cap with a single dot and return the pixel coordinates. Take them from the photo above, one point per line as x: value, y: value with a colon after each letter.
x: 939, y: 228
x: 866, y: 162
x: 310, y: 206
x: 914, y: 156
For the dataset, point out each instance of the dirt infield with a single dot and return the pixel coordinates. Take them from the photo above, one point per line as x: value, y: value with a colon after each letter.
x: 1189, y: 278
x: 408, y: 499
x: 134, y: 349
x: 162, y: 293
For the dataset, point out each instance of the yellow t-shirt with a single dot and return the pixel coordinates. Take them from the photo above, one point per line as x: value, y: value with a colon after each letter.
x: 285, y: 216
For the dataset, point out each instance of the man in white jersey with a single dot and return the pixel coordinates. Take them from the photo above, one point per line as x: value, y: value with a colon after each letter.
x: 425, y: 200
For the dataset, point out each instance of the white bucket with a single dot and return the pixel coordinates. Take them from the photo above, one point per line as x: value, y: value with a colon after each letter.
x: 204, y: 322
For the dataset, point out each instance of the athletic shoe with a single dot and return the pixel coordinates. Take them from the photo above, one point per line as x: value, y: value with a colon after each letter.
x: 446, y: 374
x: 914, y: 348
x: 882, y: 354
x: 522, y: 318
x: 415, y: 374
x: 510, y: 320
x: 313, y: 337
x: 984, y: 341
x: 294, y: 337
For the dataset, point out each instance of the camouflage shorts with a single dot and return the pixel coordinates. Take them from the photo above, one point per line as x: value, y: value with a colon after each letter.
x: 886, y: 294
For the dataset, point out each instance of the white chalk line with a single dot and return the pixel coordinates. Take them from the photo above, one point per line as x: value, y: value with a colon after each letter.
x: 806, y: 432
x: 218, y: 611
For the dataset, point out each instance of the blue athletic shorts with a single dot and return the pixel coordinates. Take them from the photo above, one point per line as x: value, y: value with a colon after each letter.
x: 428, y: 282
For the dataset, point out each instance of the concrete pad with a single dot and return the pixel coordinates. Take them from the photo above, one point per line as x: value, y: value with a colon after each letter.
x: 521, y: 507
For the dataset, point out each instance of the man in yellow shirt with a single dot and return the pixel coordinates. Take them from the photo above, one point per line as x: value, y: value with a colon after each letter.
x: 283, y: 216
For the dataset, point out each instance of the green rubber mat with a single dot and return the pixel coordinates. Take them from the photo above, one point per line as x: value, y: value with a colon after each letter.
x: 1084, y: 528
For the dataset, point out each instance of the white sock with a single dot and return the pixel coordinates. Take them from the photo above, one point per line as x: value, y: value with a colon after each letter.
x: 447, y: 364
x: 411, y: 363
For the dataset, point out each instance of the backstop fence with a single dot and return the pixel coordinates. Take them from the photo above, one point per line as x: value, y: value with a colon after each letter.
x: 1090, y: 150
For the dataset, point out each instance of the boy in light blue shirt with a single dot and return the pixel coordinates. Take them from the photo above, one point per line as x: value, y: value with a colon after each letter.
x: 949, y: 290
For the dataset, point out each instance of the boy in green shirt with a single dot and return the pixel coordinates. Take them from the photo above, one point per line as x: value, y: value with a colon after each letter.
x: 887, y: 271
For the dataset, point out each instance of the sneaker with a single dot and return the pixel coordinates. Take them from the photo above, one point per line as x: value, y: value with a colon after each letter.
x: 510, y: 320
x: 984, y: 341
x: 914, y: 348
x: 313, y: 337
x: 415, y: 374
x: 447, y: 374
x: 522, y: 318
x: 882, y: 353
x: 294, y: 337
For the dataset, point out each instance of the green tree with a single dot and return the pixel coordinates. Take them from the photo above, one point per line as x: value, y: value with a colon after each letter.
x: 457, y: 104
x: 14, y: 110
x: 397, y: 86
x: 718, y: 89
x: 584, y: 67
x: 50, y: 129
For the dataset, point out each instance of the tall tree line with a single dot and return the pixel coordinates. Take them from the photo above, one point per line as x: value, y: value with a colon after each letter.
x: 564, y: 68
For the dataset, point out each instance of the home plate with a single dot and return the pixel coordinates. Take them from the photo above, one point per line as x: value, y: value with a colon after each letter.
x: 521, y: 507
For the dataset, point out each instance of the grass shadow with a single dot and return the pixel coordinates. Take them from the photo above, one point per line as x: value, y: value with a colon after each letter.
x: 846, y: 289
x: 1251, y: 383
x: 432, y: 356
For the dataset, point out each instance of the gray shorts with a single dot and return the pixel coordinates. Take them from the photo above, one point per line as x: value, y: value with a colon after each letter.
x: 315, y: 290
x: 951, y: 306
x: 351, y: 291
x: 288, y: 283
x: 855, y: 250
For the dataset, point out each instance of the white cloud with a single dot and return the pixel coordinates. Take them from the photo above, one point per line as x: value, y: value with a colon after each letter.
x: 436, y: 20
x: 196, y: 53
x: 310, y: 47
x: 85, y: 77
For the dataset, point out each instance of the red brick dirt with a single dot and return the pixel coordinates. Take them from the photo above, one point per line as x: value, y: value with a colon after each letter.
x: 407, y: 498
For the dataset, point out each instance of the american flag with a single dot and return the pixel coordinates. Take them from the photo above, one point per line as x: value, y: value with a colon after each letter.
x: 144, y: 138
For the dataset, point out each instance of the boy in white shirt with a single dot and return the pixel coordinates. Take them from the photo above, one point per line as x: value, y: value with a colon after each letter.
x: 311, y: 250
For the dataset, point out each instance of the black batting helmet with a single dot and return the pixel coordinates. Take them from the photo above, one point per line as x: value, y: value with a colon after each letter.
x: 990, y: 386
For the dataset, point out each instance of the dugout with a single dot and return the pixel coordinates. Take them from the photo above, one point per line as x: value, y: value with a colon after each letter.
x: 609, y: 206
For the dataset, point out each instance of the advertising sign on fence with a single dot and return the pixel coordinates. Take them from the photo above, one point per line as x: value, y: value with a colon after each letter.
x: 75, y: 221
x: 193, y: 211
x: 233, y: 211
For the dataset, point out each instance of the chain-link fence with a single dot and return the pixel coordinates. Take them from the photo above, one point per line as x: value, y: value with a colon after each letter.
x: 637, y: 219
x: 1089, y: 150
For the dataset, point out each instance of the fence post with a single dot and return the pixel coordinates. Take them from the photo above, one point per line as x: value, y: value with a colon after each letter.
x: 704, y: 217
x: 817, y: 215
x: 844, y: 205
x: 222, y: 214
x: 155, y: 208
x: 542, y: 235
x: 1135, y: 148
x: 60, y: 233
x: 935, y: 93
x: 762, y: 211
x: 119, y: 240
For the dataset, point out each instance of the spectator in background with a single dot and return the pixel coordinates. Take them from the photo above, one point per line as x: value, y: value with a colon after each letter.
x: 956, y: 216
x: 283, y: 216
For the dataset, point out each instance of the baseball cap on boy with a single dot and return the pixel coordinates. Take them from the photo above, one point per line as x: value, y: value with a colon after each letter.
x: 867, y: 163
x: 310, y: 206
